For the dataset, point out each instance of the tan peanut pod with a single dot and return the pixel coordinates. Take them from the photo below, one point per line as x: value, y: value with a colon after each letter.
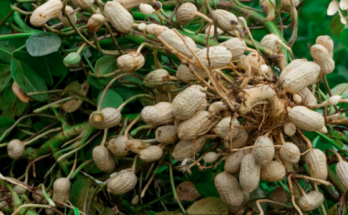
x: 256, y: 61
x: 61, y: 190
x: 236, y: 209
x: 136, y: 145
x: 19, y: 189
x: 232, y: 163
x: 271, y: 41
x: 109, y: 117
x: 103, y: 159
x: 279, y: 195
x: 150, y: 154
x: 289, y: 129
x: 239, y: 140
x: 186, y: 13
x: 249, y: 175
x: 308, y: 99
x: 224, y: 18
x: 311, y: 201
x: 40, y: 199
x: 273, y: 171
x: 228, y: 188
x: 15, y: 149
x: 129, y: 4
x: 286, y: 6
x: 184, y: 74
x: 188, y: 102
x: 95, y: 22
x: 211, y: 157
x: 199, y: 123
x: 306, y: 119
x: 122, y: 182
x: 291, y: 154
x: 184, y: 148
x: 49, y: 211
x: 265, y: 154
x: 118, y: 16
x: 327, y: 42
x: 156, y: 78
x: 83, y: 4
x: 322, y: 57
x: 49, y: 10
x: 118, y: 146
x: 130, y: 62
x: 155, y: 29
x: 65, y: 20
x: 170, y: 37
x: 20, y: 93
x: 222, y: 129
x: 218, y: 108
x: 159, y: 114
x: 219, y: 57
x: 260, y: 94
x: 166, y: 134
x: 292, y: 65
x: 300, y: 77
x: 342, y: 172
x: 316, y: 162
x: 211, y: 31
x: 236, y: 46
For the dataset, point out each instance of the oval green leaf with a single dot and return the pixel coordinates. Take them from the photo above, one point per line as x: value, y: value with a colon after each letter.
x: 111, y: 99
x: 41, y: 44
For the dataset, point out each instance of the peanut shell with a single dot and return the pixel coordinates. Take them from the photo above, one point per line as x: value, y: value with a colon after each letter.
x: 130, y: 62
x: 273, y: 171
x: 159, y: 114
x: 153, y: 153
x: 118, y: 16
x: 103, y: 159
x: 249, y: 175
x: 228, y: 188
x: 311, y: 201
x: 110, y: 117
x: 316, y: 162
x: 15, y: 149
x: 184, y: 148
x: 306, y: 119
x: 292, y: 154
x: 166, y: 134
x: 199, y: 123
x: 265, y: 154
x: 118, y: 146
x: 47, y: 11
x: 122, y: 182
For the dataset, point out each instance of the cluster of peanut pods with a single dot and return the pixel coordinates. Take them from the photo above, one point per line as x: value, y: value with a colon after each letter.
x: 232, y: 96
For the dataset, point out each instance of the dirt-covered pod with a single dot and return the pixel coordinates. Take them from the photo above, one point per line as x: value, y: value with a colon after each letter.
x: 233, y: 161
x: 236, y: 46
x: 273, y: 171
x: 118, y: 146
x: 174, y: 40
x: 47, y: 11
x: 136, y: 145
x: 305, y: 74
x: 290, y: 153
x: 188, y: 102
x: 264, y: 153
x: 159, y: 114
x: 322, y: 57
x: 186, y: 13
x: 186, y: 148
x: 129, y: 4
x: 306, y: 119
x: 342, y: 172
x: 316, y: 162
x: 311, y: 201
x: 327, y: 42
x: 103, y: 159
x: 150, y: 154
x: 118, y: 16
x: 156, y: 78
x: 292, y: 65
x: 198, y: 124
x: 249, y: 175
x: 122, y: 182
x: 228, y: 188
x: 65, y: 20
x: 83, y: 4
x: 307, y: 97
x: 107, y: 118
x: 166, y: 134
x: 289, y: 129
x: 224, y: 19
x: 219, y: 57
x: 95, y: 22
x: 61, y: 190
x: 130, y: 62
x: 15, y: 149
x: 184, y: 74
x: 155, y: 29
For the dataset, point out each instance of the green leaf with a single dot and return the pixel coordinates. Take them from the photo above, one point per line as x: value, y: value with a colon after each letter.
x: 6, y: 53
x: 56, y: 65
x: 27, y: 79
x: 336, y: 26
x: 207, y: 189
x: 111, y: 99
x: 10, y: 105
x: 208, y: 206
x: 41, y: 44
x: 5, y: 76
x: 5, y: 9
x: 81, y: 188
x: 5, y: 123
x: 105, y: 65
x: 76, y: 210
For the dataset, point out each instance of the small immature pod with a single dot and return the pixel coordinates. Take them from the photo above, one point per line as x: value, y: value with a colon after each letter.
x: 103, y: 159
x: 290, y: 153
x: 292, y: 65
x: 286, y: 5
x: 211, y: 157
x: 83, y: 4
x: 265, y: 154
x: 306, y: 119
x: 249, y: 175
x: 136, y: 145
x: 327, y: 42
x: 186, y: 13
x: 170, y: 37
x: 308, y: 99
x: 109, y: 117
x: 155, y: 29
x: 184, y: 74
x: 153, y: 153
x: 199, y: 123
x: 236, y: 46
x: 228, y: 188
x: 311, y: 201
x: 342, y: 172
x: 15, y: 149
x: 146, y: 9
x: 232, y: 163
x: 300, y: 77
x: 218, y: 108
x: 49, y: 10
x: 122, y: 182
x: 95, y: 22
x: 184, y: 148
x: 224, y: 18
x: 129, y: 4
x: 159, y: 114
x: 19, y: 190
x: 135, y: 200
x: 118, y: 16
x: 188, y: 102
x: 256, y: 61
x: 130, y: 62
x: 322, y: 57
x: 65, y: 20
x: 61, y: 190
x: 289, y: 129
x: 118, y: 146
x: 156, y: 78
x: 316, y: 162
x: 166, y: 134
x: 212, y: 29
x: 39, y: 199
x: 72, y: 59
x: 273, y: 171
